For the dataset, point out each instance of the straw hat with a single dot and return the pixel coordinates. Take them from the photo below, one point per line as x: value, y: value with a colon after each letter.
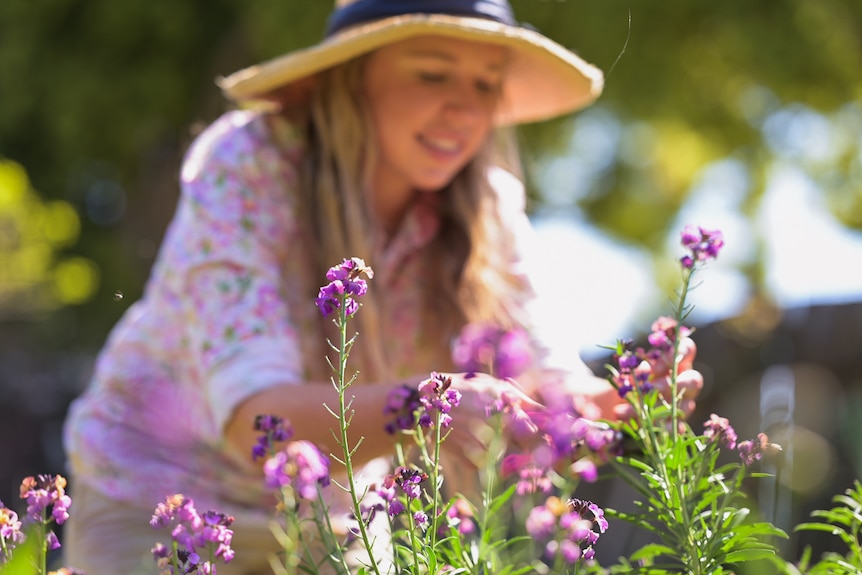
x: 544, y: 80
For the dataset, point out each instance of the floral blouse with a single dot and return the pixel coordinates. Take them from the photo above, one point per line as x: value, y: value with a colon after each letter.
x: 219, y: 323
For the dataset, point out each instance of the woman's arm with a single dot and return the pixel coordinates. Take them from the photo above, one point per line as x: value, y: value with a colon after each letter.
x: 303, y: 406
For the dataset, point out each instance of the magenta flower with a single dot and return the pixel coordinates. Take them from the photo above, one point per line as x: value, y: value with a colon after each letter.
x: 437, y: 397
x: 459, y: 517
x: 301, y: 465
x: 344, y: 285
x: 718, y: 430
x: 755, y: 450
x: 402, y: 403
x: 275, y: 430
x: 703, y: 244
x: 46, y: 497
x: 518, y: 421
x: 491, y: 349
x: 541, y: 522
x: 420, y: 519
x: 47, y: 503
x: 566, y: 528
x: 409, y: 480
x: 193, y: 533
x: 585, y: 469
x: 10, y: 533
x: 632, y: 372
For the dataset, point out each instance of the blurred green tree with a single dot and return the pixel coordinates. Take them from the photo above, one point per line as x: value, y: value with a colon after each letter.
x: 100, y: 98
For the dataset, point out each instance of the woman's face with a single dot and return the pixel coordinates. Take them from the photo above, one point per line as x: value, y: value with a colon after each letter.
x: 432, y: 102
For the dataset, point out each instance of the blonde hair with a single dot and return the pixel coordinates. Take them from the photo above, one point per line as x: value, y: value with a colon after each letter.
x: 468, y: 279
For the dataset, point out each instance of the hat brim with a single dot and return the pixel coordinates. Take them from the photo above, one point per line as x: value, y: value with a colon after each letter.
x: 544, y: 79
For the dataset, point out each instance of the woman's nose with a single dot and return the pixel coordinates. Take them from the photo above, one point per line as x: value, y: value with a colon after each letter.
x: 465, y: 101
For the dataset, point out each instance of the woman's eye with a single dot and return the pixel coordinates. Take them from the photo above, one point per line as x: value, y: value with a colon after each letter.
x: 487, y: 87
x: 432, y: 77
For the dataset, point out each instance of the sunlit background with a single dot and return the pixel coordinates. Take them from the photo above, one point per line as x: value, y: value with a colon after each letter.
x: 735, y: 115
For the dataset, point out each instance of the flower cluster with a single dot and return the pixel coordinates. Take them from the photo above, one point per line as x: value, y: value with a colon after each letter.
x: 703, y: 244
x: 300, y: 465
x: 718, y: 430
x: 275, y: 429
x: 344, y: 285
x: 491, y: 349
x: 46, y: 496
x: 566, y: 529
x: 10, y: 532
x: 408, y: 481
x: 562, y: 439
x: 192, y: 534
x: 46, y: 502
x: 755, y: 450
x: 631, y: 373
x: 636, y: 366
x: 437, y: 397
x: 401, y: 403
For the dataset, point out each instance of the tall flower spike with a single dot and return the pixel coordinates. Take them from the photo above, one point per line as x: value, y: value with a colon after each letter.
x: 344, y: 285
x: 702, y: 243
x: 274, y: 430
x: 436, y: 394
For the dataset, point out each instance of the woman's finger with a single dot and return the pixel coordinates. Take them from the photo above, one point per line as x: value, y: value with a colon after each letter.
x: 690, y: 383
x: 686, y: 352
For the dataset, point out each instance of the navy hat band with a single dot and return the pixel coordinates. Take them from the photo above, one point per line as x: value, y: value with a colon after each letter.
x: 369, y: 10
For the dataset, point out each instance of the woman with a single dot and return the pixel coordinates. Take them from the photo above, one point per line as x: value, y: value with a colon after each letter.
x: 382, y: 142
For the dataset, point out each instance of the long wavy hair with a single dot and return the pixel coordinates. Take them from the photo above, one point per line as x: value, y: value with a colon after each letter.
x: 468, y: 280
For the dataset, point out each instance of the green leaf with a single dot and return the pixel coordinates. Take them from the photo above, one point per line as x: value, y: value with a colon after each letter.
x: 652, y: 550
x: 748, y: 555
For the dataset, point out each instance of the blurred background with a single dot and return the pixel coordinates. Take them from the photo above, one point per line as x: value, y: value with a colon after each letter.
x: 745, y: 116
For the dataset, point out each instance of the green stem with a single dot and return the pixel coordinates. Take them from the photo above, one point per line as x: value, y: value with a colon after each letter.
x: 414, y: 543
x: 324, y: 527
x: 342, y: 385
x: 679, y: 315
x: 292, y: 533
x: 43, y: 560
x: 435, y: 483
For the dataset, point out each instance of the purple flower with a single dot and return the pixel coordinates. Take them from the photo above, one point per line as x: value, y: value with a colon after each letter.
x: 459, y: 517
x: 420, y: 519
x: 344, y: 285
x: 396, y: 507
x: 491, y: 349
x: 585, y: 469
x: 541, y: 522
x: 301, y: 465
x: 10, y: 532
x: 437, y: 397
x: 532, y: 476
x: 275, y: 429
x: 402, y: 403
x: 409, y: 480
x: 755, y: 450
x: 46, y: 497
x: 717, y: 429
x: 192, y: 532
x: 47, y: 502
x: 702, y: 243
x: 565, y: 528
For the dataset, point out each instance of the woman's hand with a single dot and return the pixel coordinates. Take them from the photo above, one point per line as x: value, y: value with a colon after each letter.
x: 482, y: 394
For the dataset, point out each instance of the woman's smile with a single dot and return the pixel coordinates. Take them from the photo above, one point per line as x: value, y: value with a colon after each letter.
x: 432, y: 104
